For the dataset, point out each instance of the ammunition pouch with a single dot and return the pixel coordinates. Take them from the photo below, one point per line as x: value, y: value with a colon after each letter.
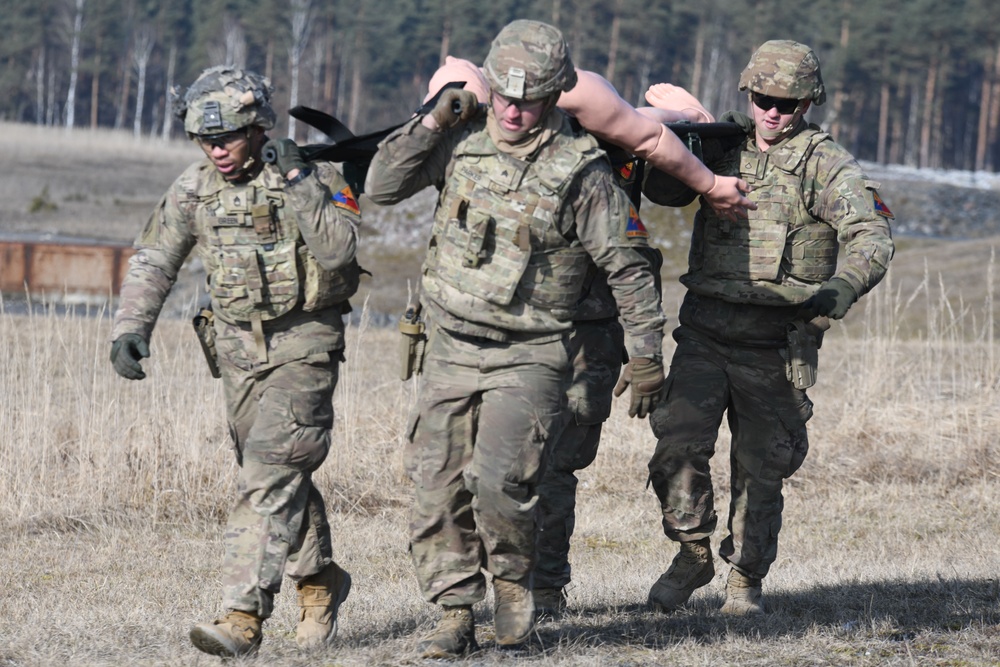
x: 204, y: 328
x: 321, y: 288
x: 802, y: 354
x: 412, y: 345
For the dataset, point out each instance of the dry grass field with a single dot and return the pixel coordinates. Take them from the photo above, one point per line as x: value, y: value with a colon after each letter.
x: 113, y: 493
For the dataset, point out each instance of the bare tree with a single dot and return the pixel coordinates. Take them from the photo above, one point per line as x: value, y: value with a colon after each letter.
x: 144, y: 43
x: 232, y: 50
x: 301, y: 12
x: 168, y: 112
x: 40, y: 86
x: 74, y: 63
x: 616, y: 22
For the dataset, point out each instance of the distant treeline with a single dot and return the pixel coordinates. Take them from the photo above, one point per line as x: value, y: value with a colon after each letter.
x: 914, y: 82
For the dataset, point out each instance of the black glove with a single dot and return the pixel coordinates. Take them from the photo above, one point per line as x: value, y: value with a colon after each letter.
x: 126, y: 352
x: 456, y: 105
x: 286, y: 155
x: 833, y: 299
x: 645, y: 376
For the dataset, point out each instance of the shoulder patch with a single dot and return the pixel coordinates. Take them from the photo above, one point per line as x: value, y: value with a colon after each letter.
x: 879, y: 205
x: 626, y: 170
x: 634, y: 228
x: 345, y: 199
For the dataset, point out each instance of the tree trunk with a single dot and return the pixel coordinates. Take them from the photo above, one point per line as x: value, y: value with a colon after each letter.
x: 994, y: 121
x: 140, y: 58
x: 51, y: 106
x: 927, y: 122
x: 840, y: 95
x: 168, y: 112
x: 355, y: 64
x: 445, y: 38
x: 613, y: 44
x: 329, y: 70
x: 40, y: 87
x: 74, y: 64
x: 883, y: 122
x: 301, y: 10
x: 984, y: 111
x: 126, y: 89
x: 699, y: 53
x: 95, y: 85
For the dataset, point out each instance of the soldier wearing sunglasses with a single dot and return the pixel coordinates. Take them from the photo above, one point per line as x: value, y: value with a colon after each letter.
x: 760, y: 293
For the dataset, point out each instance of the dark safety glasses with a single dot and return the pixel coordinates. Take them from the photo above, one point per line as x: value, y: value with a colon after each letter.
x: 226, y: 140
x: 766, y: 103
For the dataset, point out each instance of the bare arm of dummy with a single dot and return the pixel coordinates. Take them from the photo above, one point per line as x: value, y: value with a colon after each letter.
x: 597, y: 106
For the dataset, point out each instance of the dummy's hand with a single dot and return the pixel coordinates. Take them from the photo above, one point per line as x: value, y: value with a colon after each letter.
x: 674, y: 98
x: 126, y: 352
x: 456, y: 105
x: 645, y: 376
x: 833, y: 300
x: 287, y: 155
x: 728, y: 199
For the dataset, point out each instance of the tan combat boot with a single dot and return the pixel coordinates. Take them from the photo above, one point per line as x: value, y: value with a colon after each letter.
x: 691, y: 569
x: 320, y: 597
x: 743, y: 595
x: 550, y: 603
x: 453, y: 637
x: 235, y: 634
x: 513, y: 612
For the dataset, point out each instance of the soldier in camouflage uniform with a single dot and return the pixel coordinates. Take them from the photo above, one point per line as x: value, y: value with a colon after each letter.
x: 759, y: 296
x: 278, y: 241
x: 525, y: 206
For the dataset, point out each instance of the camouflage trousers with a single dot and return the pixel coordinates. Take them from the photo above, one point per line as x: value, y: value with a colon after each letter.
x: 596, y: 351
x: 280, y: 420
x: 485, y: 413
x: 767, y: 417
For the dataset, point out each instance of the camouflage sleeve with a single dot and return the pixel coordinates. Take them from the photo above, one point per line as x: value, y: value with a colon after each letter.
x: 409, y: 160
x: 161, y: 249
x: 609, y: 228
x: 843, y: 197
x: 327, y: 214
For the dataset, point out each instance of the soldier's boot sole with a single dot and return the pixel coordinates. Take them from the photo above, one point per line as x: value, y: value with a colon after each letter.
x: 228, y: 637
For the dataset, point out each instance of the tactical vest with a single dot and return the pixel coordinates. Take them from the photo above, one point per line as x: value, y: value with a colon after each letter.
x: 258, y: 266
x: 781, y: 254
x: 495, y: 233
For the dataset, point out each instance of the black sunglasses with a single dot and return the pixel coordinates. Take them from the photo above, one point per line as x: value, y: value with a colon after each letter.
x: 766, y: 103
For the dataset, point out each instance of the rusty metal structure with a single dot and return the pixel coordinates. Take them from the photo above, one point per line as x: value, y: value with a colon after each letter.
x: 61, y: 267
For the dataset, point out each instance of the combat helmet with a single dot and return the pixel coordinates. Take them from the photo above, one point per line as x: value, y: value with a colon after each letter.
x: 529, y: 60
x: 224, y: 99
x: 786, y: 69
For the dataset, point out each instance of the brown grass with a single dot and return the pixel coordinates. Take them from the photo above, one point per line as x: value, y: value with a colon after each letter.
x: 113, y: 494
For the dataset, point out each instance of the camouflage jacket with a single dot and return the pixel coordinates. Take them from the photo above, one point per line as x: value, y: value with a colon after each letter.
x: 594, y: 215
x: 813, y: 199
x: 318, y: 213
